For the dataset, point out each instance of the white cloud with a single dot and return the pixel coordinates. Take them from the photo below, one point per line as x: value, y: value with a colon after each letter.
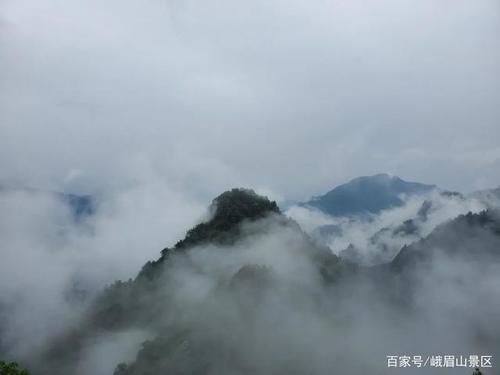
x: 283, y: 96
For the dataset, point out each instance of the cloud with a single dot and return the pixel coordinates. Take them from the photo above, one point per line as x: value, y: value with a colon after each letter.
x: 154, y: 107
x: 285, y: 97
x: 295, y: 323
x: 104, y: 352
x: 52, y: 266
x: 378, y: 238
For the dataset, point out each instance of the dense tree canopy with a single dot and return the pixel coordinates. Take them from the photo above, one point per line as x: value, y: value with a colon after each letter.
x: 11, y: 368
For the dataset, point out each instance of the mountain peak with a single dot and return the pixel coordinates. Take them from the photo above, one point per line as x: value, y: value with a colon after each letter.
x: 239, y: 204
x: 367, y: 195
x: 382, y: 178
x: 227, y: 211
x: 376, y: 177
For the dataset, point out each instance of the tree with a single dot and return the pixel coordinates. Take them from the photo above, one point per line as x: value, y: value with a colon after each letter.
x: 11, y: 368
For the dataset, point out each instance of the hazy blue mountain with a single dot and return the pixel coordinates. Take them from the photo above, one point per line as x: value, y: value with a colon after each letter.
x: 80, y: 205
x: 379, y: 244
x: 367, y: 195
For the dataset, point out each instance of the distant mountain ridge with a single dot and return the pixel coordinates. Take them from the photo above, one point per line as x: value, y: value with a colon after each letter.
x: 471, y: 237
x: 80, y: 205
x: 490, y: 197
x: 367, y: 195
x: 213, y: 332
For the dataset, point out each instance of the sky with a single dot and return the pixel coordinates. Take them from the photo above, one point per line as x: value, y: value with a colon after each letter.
x: 164, y: 104
x: 288, y: 97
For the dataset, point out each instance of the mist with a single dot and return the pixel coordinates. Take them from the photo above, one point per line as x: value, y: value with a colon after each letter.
x: 262, y: 300
x: 203, y: 93
x: 153, y: 108
x: 378, y: 238
x: 263, y: 303
x: 53, y: 266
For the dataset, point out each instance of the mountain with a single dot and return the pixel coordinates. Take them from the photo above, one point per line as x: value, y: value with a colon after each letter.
x: 489, y: 197
x: 248, y: 292
x: 227, y: 333
x: 367, y: 195
x: 227, y: 212
x: 214, y: 251
x: 80, y: 206
x: 383, y: 245
x: 470, y: 237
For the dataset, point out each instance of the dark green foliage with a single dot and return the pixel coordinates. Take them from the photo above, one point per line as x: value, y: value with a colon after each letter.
x: 228, y: 211
x: 11, y: 368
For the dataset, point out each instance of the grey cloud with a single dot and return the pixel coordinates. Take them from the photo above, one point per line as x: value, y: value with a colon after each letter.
x: 258, y: 94
x: 52, y: 266
x: 378, y: 238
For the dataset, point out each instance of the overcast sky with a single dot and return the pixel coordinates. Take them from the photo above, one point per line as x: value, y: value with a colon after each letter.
x: 288, y: 97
